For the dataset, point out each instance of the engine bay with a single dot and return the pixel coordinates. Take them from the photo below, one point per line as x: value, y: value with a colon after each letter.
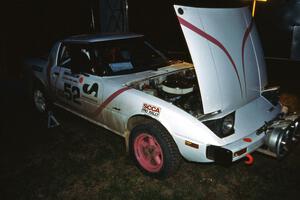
x: 179, y: 88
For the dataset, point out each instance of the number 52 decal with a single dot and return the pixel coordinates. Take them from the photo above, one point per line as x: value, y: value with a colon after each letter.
x: 72, y: 93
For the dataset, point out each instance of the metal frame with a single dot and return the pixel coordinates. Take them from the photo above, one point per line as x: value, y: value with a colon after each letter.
x: 114, y: 16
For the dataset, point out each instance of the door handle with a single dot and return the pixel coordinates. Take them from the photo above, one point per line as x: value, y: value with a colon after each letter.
x: 117, y: 109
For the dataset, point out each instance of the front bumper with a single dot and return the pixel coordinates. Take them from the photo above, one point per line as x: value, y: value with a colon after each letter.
x: 229, y: 153
x: 236, y: 150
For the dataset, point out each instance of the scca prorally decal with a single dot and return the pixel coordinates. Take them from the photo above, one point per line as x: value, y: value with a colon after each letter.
x: 151, y: 109
x: 91, y: 90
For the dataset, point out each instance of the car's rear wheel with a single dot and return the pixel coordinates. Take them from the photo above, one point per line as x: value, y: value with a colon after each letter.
x: 153, y: 150
x: 39, y: 98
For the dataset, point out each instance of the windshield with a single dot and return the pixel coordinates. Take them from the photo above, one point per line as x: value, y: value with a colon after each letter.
x: 125, y: 56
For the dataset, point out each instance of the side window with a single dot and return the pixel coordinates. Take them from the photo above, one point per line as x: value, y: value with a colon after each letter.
x: 116, y: 55
x: 116, y: 58
x: 64, y: 57
x: 81, y: 59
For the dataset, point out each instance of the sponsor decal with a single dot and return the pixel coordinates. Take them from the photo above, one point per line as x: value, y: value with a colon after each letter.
x: 91, y: 90
x: 72, y: 93
x: 151, y: 109
x: 81, y: 79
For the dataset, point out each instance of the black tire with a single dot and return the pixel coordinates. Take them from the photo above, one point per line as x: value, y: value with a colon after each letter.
x: 170, y: 153
x: 39, y: 88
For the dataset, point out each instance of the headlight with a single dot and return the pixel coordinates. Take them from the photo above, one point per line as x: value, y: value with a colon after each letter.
x: 222, y: 127
x: 228, y: 125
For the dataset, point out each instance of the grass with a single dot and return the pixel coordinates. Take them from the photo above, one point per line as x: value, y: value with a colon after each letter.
x: 81, y: 161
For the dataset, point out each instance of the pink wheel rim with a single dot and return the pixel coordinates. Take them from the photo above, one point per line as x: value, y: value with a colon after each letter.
x: 148, y: 152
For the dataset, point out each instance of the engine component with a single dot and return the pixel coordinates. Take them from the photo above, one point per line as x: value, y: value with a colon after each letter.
x: 191, y: 103
x: 295, y: 126
x: 281, y: 136
x: 179, y: 88
x: 177, y: 84
x: 278, y: 142
x: 179, y: 91
x: 150, y: 91
x: 296, y: 131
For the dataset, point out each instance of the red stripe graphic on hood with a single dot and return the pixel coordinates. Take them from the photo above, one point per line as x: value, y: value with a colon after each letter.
x: 214, y: 41
x: 108, y: 100
x: 246, y: 35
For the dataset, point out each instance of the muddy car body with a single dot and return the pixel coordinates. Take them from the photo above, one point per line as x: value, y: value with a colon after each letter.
x: 218, y: 109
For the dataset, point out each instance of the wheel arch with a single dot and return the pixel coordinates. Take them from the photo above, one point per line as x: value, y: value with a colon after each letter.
x: 141, y: 119
x: 39, y: 80
x: 31, y: 80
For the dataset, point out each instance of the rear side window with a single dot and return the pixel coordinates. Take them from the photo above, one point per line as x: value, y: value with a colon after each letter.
x: 77, y: 57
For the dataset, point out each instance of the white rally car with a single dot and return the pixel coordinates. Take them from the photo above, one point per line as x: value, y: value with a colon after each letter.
x: 218, y: 109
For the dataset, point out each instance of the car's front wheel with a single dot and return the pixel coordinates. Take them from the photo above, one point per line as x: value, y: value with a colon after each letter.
x: 153, y: 150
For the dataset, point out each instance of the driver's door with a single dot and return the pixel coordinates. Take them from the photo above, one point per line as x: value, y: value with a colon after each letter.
x: 78, y: 89
x: 68, y: 88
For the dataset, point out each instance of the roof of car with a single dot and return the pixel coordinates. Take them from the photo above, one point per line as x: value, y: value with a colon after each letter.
x: 93, y: 38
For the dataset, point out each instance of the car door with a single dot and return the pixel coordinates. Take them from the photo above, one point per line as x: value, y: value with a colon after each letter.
x: 82, y: 91
x: 91, y: 94
x: 77, y: 87
x: 52, y: 72
x: 98, y: 92
x: 67, y: 86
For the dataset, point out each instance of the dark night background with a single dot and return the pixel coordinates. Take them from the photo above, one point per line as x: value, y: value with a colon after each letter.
x: 81, y: 161
x: 29, y: 28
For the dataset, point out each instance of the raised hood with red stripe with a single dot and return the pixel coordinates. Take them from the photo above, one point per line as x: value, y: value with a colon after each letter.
x: 226, y: 53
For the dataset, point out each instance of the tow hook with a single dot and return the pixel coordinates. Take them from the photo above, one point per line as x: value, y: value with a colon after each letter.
x: 250, y: 159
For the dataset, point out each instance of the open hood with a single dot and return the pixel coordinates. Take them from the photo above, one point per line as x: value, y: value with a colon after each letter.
x: 226, y: 53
